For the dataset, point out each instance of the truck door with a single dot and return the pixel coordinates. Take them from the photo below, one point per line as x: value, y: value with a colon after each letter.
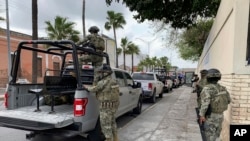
x: 123, y: 106
x: 132, y: 96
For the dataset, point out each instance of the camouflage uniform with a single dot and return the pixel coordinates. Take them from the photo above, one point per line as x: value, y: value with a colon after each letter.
x: 201, y: 83
x: 99, y: 44
x: 213, y: 120
x: 107, y: 92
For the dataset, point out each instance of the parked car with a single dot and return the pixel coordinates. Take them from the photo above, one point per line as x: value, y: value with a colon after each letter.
x: 151, y: 84
x: 167, y: 81
x: 25, y: 106
x: 130, y: 90
x: 176, y: 82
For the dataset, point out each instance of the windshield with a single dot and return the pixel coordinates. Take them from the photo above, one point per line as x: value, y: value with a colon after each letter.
x: 143, y: 76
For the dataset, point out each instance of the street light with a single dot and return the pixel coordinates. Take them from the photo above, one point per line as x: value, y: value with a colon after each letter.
x: 147, y: 42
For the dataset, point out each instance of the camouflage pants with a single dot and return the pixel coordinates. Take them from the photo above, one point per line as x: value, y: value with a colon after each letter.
x: 108, y: 123
x: 213, y: 126
x: 199, y: 102
x: 91, y: 58
x: 97, y: 62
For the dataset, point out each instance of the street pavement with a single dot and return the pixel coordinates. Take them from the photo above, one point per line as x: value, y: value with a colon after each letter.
x: 173, y: 118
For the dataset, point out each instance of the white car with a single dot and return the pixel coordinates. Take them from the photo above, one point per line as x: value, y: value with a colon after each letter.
x: 151, y: 84
x: 130, y: 90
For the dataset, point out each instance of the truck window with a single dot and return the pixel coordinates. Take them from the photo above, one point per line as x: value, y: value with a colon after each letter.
x: 143, y: 76
x: 129, y: 79
x: 120, y: 78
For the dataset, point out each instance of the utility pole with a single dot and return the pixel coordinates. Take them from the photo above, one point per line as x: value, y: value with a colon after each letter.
x: 148, y: 44
x: 8, y: 39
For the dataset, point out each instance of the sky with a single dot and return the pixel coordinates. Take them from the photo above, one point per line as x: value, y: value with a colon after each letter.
x: 142, y: 34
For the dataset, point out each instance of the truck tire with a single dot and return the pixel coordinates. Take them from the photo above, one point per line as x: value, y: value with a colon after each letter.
x: 153, y: 98
x: 96, y: 134
x: 137, y: 110
x: 160, y: 95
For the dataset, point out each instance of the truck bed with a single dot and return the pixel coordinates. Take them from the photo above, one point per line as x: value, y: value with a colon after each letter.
x: 25, y: 117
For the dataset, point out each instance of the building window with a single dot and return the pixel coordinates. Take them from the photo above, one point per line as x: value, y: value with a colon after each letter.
x: 39, y: 67
x: 56, y: 66
x: 248, y: 40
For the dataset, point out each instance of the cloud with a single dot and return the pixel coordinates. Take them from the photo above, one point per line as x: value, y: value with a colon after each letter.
x: 96, y: 13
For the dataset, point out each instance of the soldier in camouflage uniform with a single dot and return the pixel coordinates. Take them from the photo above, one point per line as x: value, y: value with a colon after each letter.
x: 99, y: 45
x: 107, y: 92
x: 201, y: 83
x: 215, y: 99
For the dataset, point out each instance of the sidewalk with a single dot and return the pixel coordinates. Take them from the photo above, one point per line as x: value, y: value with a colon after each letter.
x: 173, y: 118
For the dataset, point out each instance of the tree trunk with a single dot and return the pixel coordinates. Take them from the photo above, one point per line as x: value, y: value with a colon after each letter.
x: 83, y: 19
x: 116, y: 56
x: 132, y: 70
x: 34, y: 37
x: 124, y: 61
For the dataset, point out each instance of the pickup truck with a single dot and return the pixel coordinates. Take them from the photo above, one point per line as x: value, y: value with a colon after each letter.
x: 79, y: 113
x: 151, y: 84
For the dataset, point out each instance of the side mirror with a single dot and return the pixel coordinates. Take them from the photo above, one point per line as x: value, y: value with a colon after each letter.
x: 138, y: 84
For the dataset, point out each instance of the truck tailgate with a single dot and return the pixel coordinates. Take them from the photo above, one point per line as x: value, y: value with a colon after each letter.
x: 26, y: 118
x: 144, y: 84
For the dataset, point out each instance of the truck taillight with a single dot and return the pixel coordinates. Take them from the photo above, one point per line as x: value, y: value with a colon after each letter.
x: 6, y: 100
x: 150, y: 86
x: 80, y: 106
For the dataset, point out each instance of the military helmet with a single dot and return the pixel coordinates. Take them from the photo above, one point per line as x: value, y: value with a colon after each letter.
x: 213, y: 73
x: 93, y: 29
x: 203, y: 71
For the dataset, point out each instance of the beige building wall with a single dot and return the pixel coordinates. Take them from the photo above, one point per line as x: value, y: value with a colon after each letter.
x: 110, y: 50
x: 225, y: 49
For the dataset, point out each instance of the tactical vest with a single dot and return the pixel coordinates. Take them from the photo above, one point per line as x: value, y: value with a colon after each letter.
x: 98, y: 42
x: 110, y: 91
x: 219, y: 100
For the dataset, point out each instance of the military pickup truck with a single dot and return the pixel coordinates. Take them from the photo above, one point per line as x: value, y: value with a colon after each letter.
x: 71, y: 109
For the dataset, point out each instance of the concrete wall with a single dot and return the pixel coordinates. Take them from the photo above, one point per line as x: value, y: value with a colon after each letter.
x: 225, y: 49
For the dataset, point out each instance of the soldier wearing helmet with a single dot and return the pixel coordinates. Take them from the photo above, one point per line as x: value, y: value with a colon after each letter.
x: 96, y: 42
x: 93, y: 39
x: 214, y: 101
x: 201, y: 83
x: 107, y: 92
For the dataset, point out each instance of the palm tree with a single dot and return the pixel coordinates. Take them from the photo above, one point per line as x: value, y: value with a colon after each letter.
x: 153, y: 60
x: 124, y: 44
x: 62, y: 29
x: 34, y: 37
x: 119, y: 51
x: 133, y: 49
x: 115, y: 21
x: 164, y: 62
x: 83, y: 19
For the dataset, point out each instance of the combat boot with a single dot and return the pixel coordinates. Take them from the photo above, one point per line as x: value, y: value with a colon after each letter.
x: 115, y: 137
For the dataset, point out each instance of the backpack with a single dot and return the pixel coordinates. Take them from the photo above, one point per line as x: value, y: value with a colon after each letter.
x: 219, y: 100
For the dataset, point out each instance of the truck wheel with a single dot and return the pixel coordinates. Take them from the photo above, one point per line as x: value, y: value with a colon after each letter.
x: 160, y: 95
x: 137, y: 110
x: 96, y: 134
x: 153, y: 98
